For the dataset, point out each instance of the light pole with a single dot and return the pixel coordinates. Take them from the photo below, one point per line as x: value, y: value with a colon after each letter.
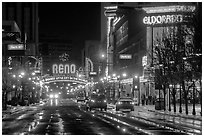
x: 21, y: 76
x: 119, y: 88
x: 136, y: 89
x: 170, y: 97
x: 194, y: 112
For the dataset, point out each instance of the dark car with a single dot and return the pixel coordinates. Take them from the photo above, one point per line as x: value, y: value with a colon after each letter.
x: 97, y: 101
x: 125, y: 103
x: 81, y: 99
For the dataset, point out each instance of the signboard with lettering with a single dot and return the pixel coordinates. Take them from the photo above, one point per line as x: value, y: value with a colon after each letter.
x: 162, y: 19
x: 64, y: 78
x: 125, y: 56
x: 63, y: 68
x: 16, y: 47
x: 92, y: 73
x: 53, y: 66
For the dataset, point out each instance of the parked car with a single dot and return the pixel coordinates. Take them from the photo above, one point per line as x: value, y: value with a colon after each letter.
x: 125, y: 103
x: 97, y: 101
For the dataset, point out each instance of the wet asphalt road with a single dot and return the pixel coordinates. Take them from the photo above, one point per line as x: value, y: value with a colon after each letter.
x: 64, y: 119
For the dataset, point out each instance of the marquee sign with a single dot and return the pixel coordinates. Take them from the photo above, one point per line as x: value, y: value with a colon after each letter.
x: 163, y: 19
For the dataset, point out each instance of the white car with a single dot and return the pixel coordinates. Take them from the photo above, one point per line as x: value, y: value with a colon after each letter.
x: 125, y: 103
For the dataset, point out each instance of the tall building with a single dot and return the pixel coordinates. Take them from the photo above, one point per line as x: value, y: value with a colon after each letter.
x: 25, y: 14
x: 129, y: 41
x: 92, y: 59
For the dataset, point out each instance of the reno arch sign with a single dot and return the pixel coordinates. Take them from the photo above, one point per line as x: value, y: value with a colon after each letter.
x: 162, y: 19
x: 63, y: 68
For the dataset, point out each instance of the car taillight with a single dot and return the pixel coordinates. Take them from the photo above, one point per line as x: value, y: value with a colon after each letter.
x: 56, y: 96
x: 51, y: 96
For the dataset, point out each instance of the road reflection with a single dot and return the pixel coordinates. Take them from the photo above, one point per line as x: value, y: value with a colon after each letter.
x: 54, y: 102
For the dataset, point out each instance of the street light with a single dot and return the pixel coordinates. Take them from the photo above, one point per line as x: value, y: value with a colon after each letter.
x: 136, y: 89
x: 102, y: 55
x: 22, y: 73
x: 124, y: 75
x: 33, y: 73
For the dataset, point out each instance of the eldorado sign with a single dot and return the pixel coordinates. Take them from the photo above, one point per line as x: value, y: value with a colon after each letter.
x: 162, y: 19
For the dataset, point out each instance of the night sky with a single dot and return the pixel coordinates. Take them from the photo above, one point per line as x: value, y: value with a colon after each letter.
x: 74, y: 21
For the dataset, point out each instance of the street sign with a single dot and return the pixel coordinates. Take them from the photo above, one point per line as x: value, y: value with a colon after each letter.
x: 93, y: 73
x: 125, y: 56
x: 16, y: 47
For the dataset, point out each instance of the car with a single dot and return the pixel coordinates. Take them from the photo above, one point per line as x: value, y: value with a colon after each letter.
x: 54, y: 96
x: 53, y: 99
x: 81, y: 99
x: 125, y: 103
x: 97, y: 101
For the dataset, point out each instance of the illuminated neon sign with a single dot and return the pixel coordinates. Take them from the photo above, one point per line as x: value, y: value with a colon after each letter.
x: 162, y: 19
x: 63, y: 68
x: 64, y: 78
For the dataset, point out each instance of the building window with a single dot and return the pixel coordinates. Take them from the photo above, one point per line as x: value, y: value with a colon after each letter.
x: 122, y: 34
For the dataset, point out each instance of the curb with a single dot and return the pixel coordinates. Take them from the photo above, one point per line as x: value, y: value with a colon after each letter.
x: 177, y: 115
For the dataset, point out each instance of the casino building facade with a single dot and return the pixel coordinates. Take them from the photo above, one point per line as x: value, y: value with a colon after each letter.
x: 136, y: 33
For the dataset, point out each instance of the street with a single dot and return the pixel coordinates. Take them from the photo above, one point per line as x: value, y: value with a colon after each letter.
x: 68, y: 118
x: 101, y: 68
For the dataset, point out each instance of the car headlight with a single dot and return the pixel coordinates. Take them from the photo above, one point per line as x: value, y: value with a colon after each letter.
x: 104, y: 101
x: 56, y: 96
x: 92, y: 100
x: 132, y: 103
x: 119, y: 103
x: 51, y: 96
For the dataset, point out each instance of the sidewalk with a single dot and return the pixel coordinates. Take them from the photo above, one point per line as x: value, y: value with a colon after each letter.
x: 14, y: 109
x: 151, y: 108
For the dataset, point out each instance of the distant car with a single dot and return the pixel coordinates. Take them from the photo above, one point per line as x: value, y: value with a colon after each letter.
x: 97, y: 101
x: 81, y: 99
x: 125, y: 103
x: 54, y: 96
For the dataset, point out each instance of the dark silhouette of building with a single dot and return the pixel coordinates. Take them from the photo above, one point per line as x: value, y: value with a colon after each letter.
x: 25, y: 14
